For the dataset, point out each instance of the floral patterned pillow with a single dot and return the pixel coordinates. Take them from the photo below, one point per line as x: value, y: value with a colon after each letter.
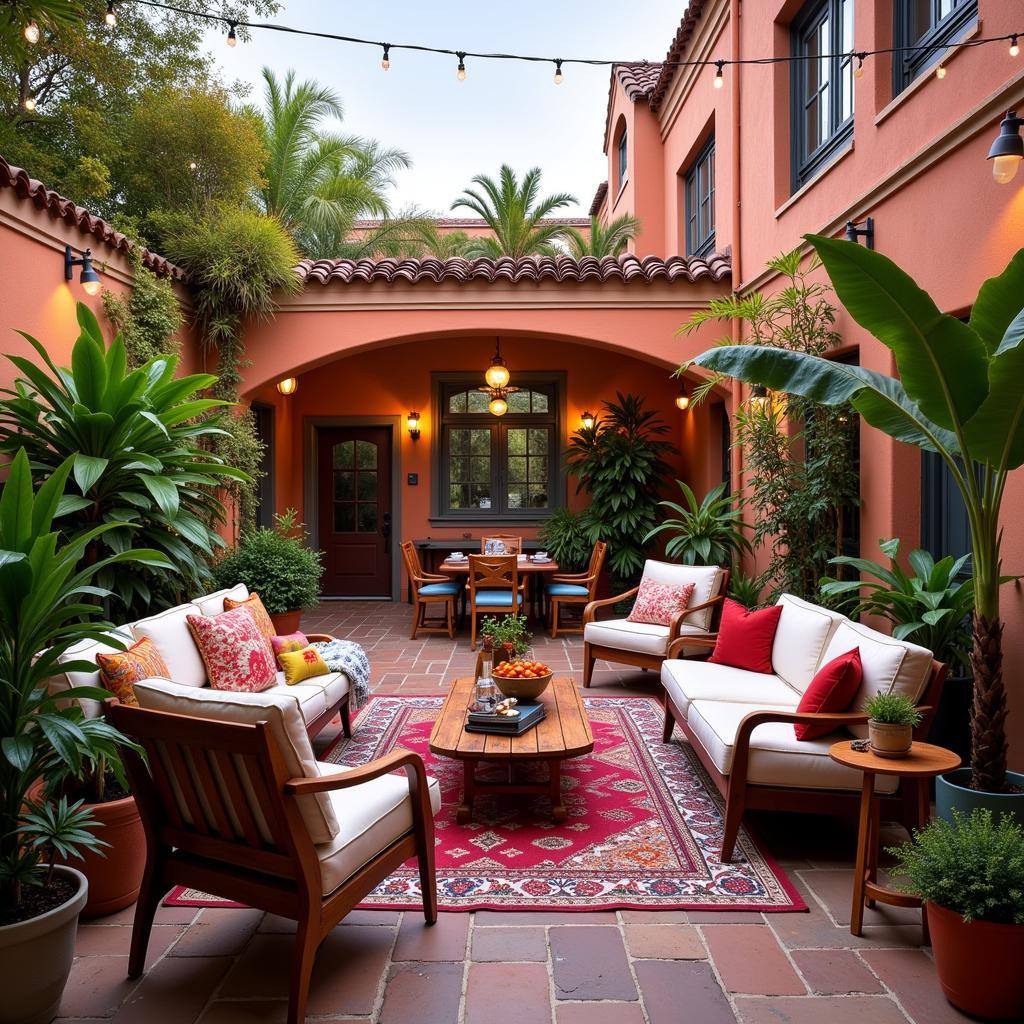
x: 288, y: 643
x: 236, y: 654
x: 119, y: 672
x: 259, y: 613
x: 656, y: 603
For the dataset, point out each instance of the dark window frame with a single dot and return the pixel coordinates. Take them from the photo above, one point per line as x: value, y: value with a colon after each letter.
x: 264, y: 415
x: 703, y: 164
x: 445, y: 384
x: 622, y: 157
x: 807, y: 165
x: 941, y: 32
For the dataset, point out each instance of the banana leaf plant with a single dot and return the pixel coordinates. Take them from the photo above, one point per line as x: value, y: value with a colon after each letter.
x: 958, y: 393
x: 47, y: 604
x: 139, y: 464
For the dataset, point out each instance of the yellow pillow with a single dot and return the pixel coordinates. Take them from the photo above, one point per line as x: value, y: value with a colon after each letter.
x: 304, y: 664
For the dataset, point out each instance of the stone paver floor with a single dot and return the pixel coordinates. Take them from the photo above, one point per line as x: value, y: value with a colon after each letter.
x: 222, y: 966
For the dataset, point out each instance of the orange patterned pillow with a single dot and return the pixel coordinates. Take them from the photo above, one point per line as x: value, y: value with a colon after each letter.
x: 121, y: 671
x: 259, y: 613
x: 236, y: 654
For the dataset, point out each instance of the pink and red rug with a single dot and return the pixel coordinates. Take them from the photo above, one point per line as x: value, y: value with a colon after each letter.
x: 643, y: 831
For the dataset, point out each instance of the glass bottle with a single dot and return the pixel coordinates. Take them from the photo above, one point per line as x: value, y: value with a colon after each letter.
x: 485, y: 692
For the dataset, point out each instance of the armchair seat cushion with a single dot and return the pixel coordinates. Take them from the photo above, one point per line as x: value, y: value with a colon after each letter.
x: 777, y: 757
x: 623, y: 635
x: 497, y: 598
x: 440, y: 589
x: 372, y: 815
x: 567, y: 590
x: 688, y: 680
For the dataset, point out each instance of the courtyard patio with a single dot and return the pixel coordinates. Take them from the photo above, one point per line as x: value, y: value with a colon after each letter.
x: 229, y: 966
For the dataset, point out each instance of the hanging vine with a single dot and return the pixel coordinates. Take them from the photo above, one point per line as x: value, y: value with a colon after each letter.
x: 148, y: 318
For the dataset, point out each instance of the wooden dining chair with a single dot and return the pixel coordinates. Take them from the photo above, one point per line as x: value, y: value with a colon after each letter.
x: 429, y: 589
x: 575, y: 588
x: 513, y: 544
x: 222, y: 815
x: 494, y: 588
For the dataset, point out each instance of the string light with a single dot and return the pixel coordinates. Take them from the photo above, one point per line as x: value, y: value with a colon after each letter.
x: 460, y: 74
x: 858, y: 71
x: 940, y: 72
x: 31, y: 33
x: 719, y: 80
x: 232, y: 38
x: 385, y: 61
x: 1014, y: 48
x: 29, y: 103
x: 558, y: 72
x: 110, y: 18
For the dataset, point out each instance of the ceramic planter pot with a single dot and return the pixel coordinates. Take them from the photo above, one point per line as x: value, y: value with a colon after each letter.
x: 35, y: 959
x: 953, y: 792
x: 286, y: 622
x: 978, y: 964
x: 887, y: 740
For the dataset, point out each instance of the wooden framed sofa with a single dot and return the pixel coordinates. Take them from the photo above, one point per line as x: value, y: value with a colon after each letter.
x: 643, y: 644
x: 740, y: 724
x: 319, y: 699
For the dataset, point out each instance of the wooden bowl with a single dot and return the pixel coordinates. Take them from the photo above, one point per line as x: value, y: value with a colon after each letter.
x: 523, y: 689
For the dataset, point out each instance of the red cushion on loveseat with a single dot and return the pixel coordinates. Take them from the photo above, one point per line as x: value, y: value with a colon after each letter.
x: 745, y: 638
x: 832, y: 689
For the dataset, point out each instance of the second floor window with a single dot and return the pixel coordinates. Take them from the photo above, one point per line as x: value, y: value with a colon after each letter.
x: 822, y: 85
x: 926, y: 23
x: 700, y: 202
x: 622, y: 159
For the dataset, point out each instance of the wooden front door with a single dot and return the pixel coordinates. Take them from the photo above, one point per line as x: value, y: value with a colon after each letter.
x: 354, y: 479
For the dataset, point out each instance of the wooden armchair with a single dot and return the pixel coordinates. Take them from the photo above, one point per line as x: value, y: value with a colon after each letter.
x: 577, y: 588
x: 494, y: 588
x: 221, y: 814
x: 428, y: 589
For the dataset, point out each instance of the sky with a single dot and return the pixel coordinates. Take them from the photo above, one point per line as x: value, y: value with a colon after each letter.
x: 504, y: 112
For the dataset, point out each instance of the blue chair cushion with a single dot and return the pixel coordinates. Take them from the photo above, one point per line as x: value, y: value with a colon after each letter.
x: 567, y: 590
x: 437, y: 589
x: 497, y: 598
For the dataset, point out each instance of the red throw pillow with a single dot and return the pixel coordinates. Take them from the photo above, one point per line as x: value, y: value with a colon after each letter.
x: 656, y: 603
x: 833, y: 689
x: 745, y: 638
x: 236, y: 654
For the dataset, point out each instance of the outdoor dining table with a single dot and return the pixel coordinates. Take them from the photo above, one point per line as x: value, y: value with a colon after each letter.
x: 527, y: 567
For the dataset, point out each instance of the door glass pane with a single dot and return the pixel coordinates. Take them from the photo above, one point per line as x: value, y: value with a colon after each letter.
x: 366, y: 488
x: 540, y: 401
x: 367, y: 519
x: 519, y: 401
x: 344, y: 518
x: 517, y: 441
x: 344, y: 455
x: 458, y: 403
x: 469, y: 467
x: 366, y: 455
x: 478, y: 401
x: 343, y: 486
x: 527, y: 467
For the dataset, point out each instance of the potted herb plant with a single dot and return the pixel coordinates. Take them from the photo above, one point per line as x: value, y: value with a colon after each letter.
x: 970, y: 875
x: 958, y: 394
x: 509, y: 634
x: 891, y: 721
x: 278, y: 565
x: 47, y: 602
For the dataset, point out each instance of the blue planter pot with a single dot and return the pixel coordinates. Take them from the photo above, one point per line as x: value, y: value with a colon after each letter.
x: 953, y: 792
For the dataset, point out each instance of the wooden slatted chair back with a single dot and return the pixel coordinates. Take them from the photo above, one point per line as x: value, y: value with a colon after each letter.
x: 513, y: 544
x: 413, y: 567
x: 493, y: 572
x: 596, y: 565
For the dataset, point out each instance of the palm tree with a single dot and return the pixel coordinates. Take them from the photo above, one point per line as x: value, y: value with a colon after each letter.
x: 318, y: 182
x: 604, y: 240
x: 513, y: 212
x: 442, y: 244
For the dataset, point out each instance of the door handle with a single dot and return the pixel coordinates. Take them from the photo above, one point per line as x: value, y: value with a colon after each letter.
x: 386, y: 531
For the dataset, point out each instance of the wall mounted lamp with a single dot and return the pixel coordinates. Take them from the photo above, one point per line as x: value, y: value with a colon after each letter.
x: 412, y: 421
x: 288, y: 386
x: 587, y: 420
x: 760, y: 399
x: 683, y: 398
x: 854, y: 231
x: 1008, y: 149
x: 88, y: 278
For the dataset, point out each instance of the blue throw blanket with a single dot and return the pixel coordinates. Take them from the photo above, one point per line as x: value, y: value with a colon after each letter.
x: 349, y: 658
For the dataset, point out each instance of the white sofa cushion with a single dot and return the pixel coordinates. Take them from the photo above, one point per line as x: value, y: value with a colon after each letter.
x: 889, y: 665
x: 706, y: 580
x: 86, y: 650
x: 333, y: 686
x: 777, y: 757
x: 213, y: 604
x: 283, y: 713
x: 372, y: 815
x: 170, y: 634
x: 310, y: 699
x: 686, y: 680
x: 623, y: 635
x: 802, y: 635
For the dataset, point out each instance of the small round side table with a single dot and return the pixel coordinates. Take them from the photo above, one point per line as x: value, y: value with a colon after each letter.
x: 923, y: 762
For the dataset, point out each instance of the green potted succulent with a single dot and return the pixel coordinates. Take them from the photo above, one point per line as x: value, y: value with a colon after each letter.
x: 970, y: 874
x: 892, y: 718
x: 709, y: 532
x: 278, y: 565
x: 47, y: 604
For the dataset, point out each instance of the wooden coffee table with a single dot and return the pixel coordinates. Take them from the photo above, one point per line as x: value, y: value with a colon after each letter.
x: 564, y: 733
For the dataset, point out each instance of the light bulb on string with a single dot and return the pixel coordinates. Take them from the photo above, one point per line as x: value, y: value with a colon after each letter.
x: 232, y: 38
x: 460, y: 73
x: 558, y: 72
x: 1014, y: 48
x: 29, y: 103
x: 110, y: 18
x: 31, y: 32
x: 858, y: 71
x: 940, y: 72
x: 385, y: 61
x: 719, y: 80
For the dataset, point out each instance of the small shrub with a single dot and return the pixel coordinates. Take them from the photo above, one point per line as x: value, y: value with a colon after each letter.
x: 892, y: 709
x: 973, y: 867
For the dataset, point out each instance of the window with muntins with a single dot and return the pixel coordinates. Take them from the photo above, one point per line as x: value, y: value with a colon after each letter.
x: 822, y: 81
x: 700, y: 202
x: 494, y: 467
x: 931, y: 24
x: 622, y: 158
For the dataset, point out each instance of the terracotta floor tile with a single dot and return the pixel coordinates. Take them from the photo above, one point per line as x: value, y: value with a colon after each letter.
x: 676, y: 991
x: 503, y: 945
x: 590, y: 963
x: 820, y: 1010
x: 599, y: 1013
x: 654, y: 916
x: 484, y: 918
x: 422, y: 993
x: 98, y: 940
x: 664, y: 942
x: 507, y: 994
x: 749, y: 959
x: 835, y: 889
x: 445, y: 940
x: 174, y: 991
x: 96, y: 987
x: 832, y: 972
x: 219, y: 932
x: 910, y: 974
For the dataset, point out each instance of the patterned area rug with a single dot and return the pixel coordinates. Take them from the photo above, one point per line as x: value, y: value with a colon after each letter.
x: 643, y: 831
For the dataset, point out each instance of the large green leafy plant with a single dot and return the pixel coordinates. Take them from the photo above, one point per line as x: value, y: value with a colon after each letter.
x: 47, y: 604
x: 138, y: 469
x: 958, y: 394
x: 709, y: 532
x: 620, y: 463
x: 564, y: 535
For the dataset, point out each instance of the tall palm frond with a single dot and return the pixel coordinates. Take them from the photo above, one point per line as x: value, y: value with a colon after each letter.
x: 605, y: 239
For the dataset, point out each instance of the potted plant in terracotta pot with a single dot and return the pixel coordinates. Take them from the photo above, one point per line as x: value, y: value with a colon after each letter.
x: 46, y: 606
x: 278, y: 565
x: 891, y: 721
x: 510, y: 636
x: 970, y: 875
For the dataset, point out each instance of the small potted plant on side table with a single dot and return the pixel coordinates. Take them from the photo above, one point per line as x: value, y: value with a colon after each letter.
x: 970, y: 875
x: 510, y: 636
x: 891, y: 721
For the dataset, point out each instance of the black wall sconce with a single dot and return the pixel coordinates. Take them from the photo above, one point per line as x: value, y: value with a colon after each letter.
x: 1007, y: 151
x: 89, y: 279
x: 412, y: 421
x: 855, y: 232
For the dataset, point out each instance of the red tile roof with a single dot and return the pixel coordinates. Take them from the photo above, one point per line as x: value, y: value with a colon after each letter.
x: 598, y: 200
x: 625, y: 269
x: 638, y: 80
x: 59, y: 207
x: 676, y: 51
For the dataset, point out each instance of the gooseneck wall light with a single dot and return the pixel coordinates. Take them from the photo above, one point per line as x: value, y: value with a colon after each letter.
x: 854, y: 231
x: 88, y: 278
x: 1008, y: 149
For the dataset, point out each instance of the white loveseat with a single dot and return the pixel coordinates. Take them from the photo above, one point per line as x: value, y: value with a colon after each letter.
x: 318, y: 699
x: 740, y: 723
